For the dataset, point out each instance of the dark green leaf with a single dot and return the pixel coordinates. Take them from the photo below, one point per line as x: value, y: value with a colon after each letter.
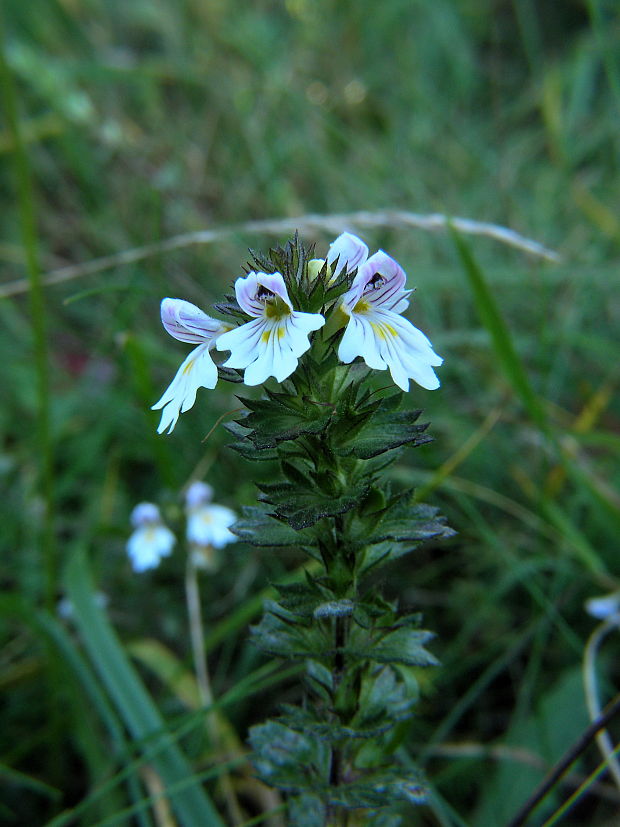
x: 302, y: 509
x: 260, y: 528
x: 385, y: 429
x: 289, y: 759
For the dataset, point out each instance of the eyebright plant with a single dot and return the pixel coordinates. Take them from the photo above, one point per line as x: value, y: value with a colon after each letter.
x: 322, y: 328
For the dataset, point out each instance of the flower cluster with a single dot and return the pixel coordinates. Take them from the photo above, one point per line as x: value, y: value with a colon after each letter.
x: 277, y: 335
x: 207, y: 531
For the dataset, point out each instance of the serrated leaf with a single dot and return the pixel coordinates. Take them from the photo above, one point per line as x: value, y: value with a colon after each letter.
x: 249, y: 451
x: 384, y: 699
x: 406, y: 646
x: 288, y: 640
x: 403, y: 520
x: 381, y: 788
x: 302, y: 509
x: 231, y: 308
x: 320, y: 677
x: 289, y: 759
x: 271, y: 422
x: 229, y: 375
x: 260, y: 528
x: 385, y: 430
x: 305, y: 719
x: 401, y: 645
x: 335, y: 608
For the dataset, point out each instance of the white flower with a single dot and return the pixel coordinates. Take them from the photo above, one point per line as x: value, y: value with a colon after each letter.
x: 271, y: 344
x: 207, y: 524
x: 188, y: 323
x: 151, y: 539
x: 376, y: 331
x: 347, y: 252
x: 604, y: 607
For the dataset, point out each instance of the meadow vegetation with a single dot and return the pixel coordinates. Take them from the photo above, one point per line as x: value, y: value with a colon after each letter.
x: 132, y: 123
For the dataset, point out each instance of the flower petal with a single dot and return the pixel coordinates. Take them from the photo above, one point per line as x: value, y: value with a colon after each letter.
x: 359, y: 340
x: 382, y: 281
x: 275, y: 356
x: 148, y: 544
x: 199, y: 493
x: 187, y: 323
x: 269, y: 347
x: 209, y: 525
x: 603, y: 607
x: 144, y: 513
x: 248, y: 291
x: 197, y: 371
x: 384, y: 339
x: 242, y: 342
x: 347, y: 252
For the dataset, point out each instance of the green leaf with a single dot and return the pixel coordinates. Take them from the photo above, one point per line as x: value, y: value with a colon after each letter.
x: 281, y: 418
x: 302, y: 509
x: 260, y: 528
x: 133, y: 703
x: 320, y: 678
x: 307, y: 810
x: 497, y: 328
x: 285, y: 634
x: 289, y: 759
x: 385, y: 430
x: 327, y: 728
x: 402, y: 645
x: 382, y: 788
x: 384, y: 699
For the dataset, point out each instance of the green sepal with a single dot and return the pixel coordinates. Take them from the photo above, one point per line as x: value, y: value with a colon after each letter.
x: 264, y: 262
x: 231, y: 308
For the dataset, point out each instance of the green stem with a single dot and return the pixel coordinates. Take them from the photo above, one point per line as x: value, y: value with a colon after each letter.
x: 603, y: 738
x: 37, y: 313
x: 339, y: 817
x: 192, y: 592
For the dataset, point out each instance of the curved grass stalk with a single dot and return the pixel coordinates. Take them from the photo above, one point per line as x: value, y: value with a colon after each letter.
x: 603, y: 739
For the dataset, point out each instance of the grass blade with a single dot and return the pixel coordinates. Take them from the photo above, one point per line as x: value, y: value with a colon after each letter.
x: 133, y: 703
x: 497, y: 328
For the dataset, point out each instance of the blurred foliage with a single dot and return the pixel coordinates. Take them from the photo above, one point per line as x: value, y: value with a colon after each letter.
x: 143, y: 120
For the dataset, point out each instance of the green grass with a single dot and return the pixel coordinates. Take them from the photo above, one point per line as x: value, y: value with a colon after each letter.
x: 133, y: 123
